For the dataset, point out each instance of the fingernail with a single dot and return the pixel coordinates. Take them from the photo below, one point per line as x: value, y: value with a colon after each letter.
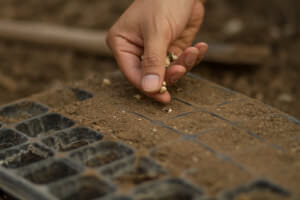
x: 150, y: 83
x: 191, y: 60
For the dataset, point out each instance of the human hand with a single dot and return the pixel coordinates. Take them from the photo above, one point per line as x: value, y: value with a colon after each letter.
x: 150, y: 29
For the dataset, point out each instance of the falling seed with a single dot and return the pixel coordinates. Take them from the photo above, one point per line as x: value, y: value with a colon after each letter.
x: 106, y: 82
x: 164, y: 83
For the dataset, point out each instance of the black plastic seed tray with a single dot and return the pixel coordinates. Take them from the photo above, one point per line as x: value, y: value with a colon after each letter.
x: 168, y: 189
x: 71, y: 139
x: 45, y: 156
x: 81, y: 95
x: 259, y: 187
x: 10, y: 138
x: 20, y: 111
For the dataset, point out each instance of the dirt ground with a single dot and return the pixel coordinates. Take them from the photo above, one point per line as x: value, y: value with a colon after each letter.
x: 272, y: 23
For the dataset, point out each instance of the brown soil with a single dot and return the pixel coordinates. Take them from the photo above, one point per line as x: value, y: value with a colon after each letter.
x: 111, y: 109
x: 275, y: 82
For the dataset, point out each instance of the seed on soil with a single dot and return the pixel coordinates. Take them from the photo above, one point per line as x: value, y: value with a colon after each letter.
x: 106, y: 82
x: 138, y: 97
x: 167, y: 110
x: 154, y: 130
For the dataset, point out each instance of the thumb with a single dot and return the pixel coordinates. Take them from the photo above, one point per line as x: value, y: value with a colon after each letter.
x: 154, y: 63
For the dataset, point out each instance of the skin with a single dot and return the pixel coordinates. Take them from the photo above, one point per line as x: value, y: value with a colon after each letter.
x: 151, y: 28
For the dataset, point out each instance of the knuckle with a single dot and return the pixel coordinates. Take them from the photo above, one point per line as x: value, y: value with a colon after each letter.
x: 151, y: 61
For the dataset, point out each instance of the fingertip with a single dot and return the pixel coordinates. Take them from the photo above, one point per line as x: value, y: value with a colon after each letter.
x: 174, y: 73
x: 164, y: 98
x: 202, y: 46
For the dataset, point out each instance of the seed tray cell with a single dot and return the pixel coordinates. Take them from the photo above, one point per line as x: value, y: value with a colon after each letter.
x: 104, y: 153
x: 23, y: 156
x: 10, y: 138
x: 21, y: 111
x: 48, y: 172
x: 72, y: 139
x: 136, y: 170
x: 82, y: 188
x: 258, y: 186
x: 45, y: 125
x: 81, y: 95
x: 169, y: 189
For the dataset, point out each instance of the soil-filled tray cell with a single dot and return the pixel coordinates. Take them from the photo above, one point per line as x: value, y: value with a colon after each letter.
x: 45, y: 125
x: 27, y: 154
x: 49, y: 173
x: 134, y: 169
x: 83, y: 188
x: 21, y: 111
x: 102, y: 154
x: 73, y: 139
x: 81, y: 95
x: 10, y: 138
x: 260, y: 189
x: 170, y: 189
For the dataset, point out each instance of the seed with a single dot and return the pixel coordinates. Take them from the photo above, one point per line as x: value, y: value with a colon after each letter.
x: 163, y: 89
x: 164, y: 83
x: 174, y: 57
x: 138, y: 97
x: 106, y: 82
x: 154, y: 130
x: 168, y: 62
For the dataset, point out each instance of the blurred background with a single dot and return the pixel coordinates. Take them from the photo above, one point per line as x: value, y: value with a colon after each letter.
x: 27, y: 68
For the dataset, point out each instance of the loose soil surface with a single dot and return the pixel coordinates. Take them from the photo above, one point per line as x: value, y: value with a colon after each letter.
x: 228, y: 138
x: 220, y: 150
x: 271, y: 23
